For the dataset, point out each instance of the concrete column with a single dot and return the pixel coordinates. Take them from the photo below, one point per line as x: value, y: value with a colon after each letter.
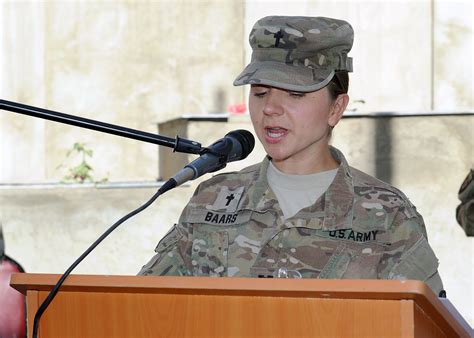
x: 453, y: 68
x: 22, y: 146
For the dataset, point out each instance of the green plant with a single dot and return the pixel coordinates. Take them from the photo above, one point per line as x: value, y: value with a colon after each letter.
x: 81, y: 172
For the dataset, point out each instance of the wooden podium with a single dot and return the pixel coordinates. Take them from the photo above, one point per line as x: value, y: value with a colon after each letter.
x: 139, y: 306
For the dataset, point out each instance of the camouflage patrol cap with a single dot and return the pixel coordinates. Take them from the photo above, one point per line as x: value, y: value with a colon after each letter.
x: 297, y: 53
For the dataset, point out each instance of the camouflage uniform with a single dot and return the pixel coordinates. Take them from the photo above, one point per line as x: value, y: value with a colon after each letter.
x: 361, y: 228
x: 465, y: 210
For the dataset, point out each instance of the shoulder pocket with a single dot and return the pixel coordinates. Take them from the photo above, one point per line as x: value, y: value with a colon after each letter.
x: 419, y: 263
x: 170, y: 239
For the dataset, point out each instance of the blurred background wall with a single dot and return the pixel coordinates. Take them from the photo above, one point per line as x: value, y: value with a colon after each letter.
x: 151, y: 64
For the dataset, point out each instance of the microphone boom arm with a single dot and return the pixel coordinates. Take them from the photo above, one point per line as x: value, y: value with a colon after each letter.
x: 179, y: 144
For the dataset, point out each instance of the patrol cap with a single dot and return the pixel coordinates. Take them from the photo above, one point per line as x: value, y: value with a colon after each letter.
x: 297, y: 53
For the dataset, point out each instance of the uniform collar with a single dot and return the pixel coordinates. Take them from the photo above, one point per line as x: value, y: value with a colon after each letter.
x: 335, y: 204
x: 260, y: 195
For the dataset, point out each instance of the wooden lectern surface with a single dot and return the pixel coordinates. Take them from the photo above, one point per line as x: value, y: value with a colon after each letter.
x: 142, y: 306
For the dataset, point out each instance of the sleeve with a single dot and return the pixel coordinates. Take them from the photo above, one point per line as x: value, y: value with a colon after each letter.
x: 168, y: 260
x: 412, y: 256
x: 172, y: 256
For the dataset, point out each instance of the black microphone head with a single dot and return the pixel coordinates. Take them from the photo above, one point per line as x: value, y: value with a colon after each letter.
x: 246, y: 141
x: 235, y: 146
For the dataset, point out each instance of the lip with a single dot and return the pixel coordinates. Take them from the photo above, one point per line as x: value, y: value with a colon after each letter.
x: 274, y: 134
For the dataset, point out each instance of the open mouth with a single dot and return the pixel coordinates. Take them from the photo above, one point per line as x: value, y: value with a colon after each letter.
x: 275, y: 132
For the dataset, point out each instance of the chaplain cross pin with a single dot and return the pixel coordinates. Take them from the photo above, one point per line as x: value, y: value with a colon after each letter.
x: 229, y: 199
x: 278, y: 35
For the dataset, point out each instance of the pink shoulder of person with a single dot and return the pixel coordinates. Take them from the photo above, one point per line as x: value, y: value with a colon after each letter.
x: 12, y: 309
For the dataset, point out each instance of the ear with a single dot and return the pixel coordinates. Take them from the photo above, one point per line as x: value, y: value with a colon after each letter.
x: 337, y: 109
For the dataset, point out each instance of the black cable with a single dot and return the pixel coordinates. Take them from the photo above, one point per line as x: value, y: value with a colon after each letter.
x: 170, y: 184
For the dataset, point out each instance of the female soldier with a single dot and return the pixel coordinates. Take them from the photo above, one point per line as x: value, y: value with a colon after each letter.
x: 302, y: 212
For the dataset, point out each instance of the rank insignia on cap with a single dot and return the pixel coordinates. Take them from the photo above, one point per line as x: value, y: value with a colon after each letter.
x: 227, y: 199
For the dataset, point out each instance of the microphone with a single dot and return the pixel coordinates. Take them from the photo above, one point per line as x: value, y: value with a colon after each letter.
x: 234, y: 146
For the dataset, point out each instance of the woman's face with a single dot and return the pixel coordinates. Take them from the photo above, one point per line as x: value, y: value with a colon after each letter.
x: 292, y: 126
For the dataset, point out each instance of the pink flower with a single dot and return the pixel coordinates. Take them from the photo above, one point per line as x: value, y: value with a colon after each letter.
x: 237, y: 108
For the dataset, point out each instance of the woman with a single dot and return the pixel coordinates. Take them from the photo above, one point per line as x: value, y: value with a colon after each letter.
x: 302, y: 212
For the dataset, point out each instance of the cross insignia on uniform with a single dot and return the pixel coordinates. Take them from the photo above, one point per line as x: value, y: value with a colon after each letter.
x: 229, y: 199
x: 278, y: 35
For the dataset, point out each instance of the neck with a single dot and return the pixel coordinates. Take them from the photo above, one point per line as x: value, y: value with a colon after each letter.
x: 318, y: 162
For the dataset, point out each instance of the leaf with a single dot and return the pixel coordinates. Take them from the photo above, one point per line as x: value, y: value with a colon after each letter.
x: 81, y: 172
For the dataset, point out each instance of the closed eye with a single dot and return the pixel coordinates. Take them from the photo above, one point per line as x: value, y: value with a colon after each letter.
x: 259, y: 94
x: 258, y: 90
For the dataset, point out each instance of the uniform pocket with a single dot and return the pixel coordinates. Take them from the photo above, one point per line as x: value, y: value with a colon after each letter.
x: 317, y: 253
x: 295, y: 249
x: 365, y: 260
x: 209, y: 252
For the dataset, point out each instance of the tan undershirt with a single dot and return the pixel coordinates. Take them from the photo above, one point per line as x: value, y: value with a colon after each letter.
x: 295, y: 192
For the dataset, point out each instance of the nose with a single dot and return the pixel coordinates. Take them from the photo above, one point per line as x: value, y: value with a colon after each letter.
x: 273, y: 104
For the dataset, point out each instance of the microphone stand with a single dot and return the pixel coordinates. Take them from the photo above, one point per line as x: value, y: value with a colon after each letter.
x: 215, y: 157
x: 179, y: 144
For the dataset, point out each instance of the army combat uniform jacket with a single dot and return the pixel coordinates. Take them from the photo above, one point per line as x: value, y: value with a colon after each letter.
x: 360, y: 228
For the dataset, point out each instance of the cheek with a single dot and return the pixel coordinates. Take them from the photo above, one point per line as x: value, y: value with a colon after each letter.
x: 313, y: 119
x: 254, y: 103
x: 255, y: 112
x: 256, y: 122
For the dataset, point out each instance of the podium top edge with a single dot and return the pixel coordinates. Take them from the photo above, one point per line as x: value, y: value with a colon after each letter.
x: 329, y: 288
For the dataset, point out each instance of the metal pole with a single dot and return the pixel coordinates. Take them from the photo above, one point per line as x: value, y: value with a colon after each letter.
x: 178, y: 144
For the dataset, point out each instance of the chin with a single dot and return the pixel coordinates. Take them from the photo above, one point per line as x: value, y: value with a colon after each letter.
x: 277, y: 156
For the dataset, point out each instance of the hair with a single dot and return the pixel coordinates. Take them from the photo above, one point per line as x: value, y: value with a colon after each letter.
x: 338, y: 85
